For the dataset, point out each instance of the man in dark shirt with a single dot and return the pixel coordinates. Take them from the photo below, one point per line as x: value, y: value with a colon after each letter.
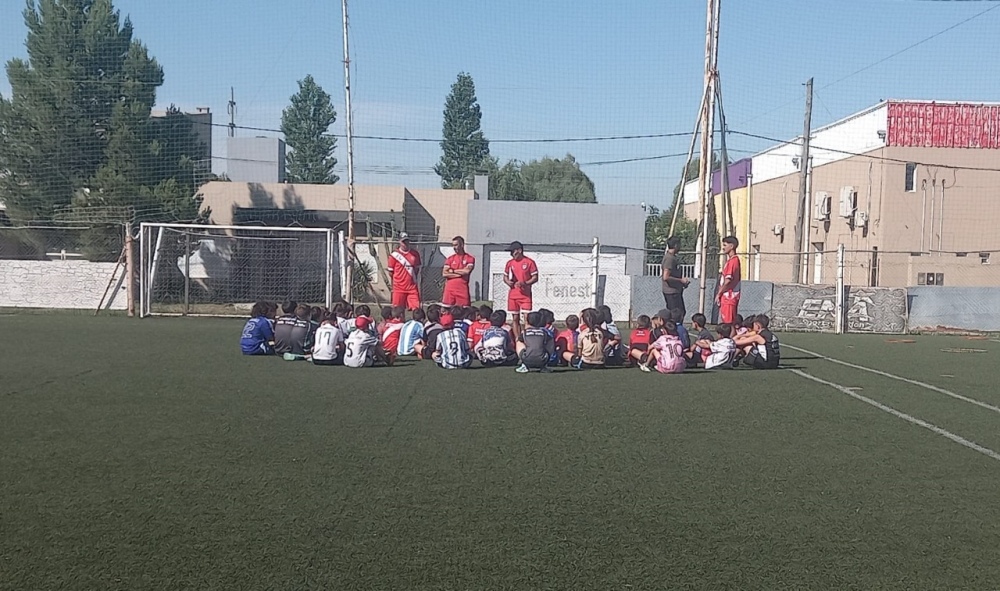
x: 535, y: 345
x: 673, y: 282
x: 283, y: 327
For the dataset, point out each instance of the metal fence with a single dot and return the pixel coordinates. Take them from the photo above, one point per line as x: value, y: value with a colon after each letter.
x: 94, y: 243
x: 222, y: 270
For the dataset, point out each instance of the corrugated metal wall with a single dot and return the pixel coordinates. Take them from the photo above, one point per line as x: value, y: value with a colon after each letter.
x: 935, y: 125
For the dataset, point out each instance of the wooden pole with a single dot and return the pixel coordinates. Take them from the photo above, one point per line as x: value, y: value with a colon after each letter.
x: 800, y: 218
x: 704, y: 175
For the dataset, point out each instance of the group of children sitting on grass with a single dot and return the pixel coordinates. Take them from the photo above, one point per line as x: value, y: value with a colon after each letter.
x: 456, y: 337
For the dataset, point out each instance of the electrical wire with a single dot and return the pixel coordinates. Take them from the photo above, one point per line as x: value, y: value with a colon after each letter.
x: 798, y: 141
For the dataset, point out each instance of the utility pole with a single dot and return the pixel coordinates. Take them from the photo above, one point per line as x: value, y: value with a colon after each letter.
x: 707, y: 125
x: 231, y: 109
x: 800, y: 219
x: 350, y: 158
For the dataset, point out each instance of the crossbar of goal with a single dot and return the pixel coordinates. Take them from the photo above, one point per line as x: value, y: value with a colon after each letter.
x: 204, y: 227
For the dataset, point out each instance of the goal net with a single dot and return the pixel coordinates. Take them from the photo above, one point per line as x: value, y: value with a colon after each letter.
x: 188, y: 269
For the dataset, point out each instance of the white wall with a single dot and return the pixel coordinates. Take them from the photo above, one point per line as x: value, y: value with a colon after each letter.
x: 569, y: 294
x: 58, y: 284
x: 564, y: 282
x: 857, y: 134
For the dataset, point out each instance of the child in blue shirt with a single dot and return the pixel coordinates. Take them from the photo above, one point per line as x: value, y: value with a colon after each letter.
x: 258, y: 336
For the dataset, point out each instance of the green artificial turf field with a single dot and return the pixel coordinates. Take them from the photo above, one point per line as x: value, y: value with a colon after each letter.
x: 150, y: 454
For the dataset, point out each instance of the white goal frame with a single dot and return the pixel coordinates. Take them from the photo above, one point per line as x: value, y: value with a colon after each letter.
x: 334, y: 260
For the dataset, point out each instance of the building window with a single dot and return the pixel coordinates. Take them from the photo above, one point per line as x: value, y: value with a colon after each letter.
x: 984, y: 258
x: 910, y: 181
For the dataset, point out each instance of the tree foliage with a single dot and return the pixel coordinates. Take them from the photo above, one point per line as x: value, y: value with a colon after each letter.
x: 552, y: 179
x: 77, y: 132
x: 305, y: 123
x: 548, y: 179
x: 465, y: 150
x: 507, y: 183
x: 658, y: 222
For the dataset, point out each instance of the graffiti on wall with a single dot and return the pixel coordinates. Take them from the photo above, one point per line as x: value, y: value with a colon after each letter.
x: 876, y: 310
x: 807, y: 308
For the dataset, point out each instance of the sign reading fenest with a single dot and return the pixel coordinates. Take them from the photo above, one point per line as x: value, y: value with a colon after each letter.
x: 806, y: 308
x: 567, y: 294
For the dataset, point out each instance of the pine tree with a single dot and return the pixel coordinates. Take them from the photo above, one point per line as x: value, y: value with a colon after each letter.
x: 79, y: 141
x: 305, y: 123
x: 465, y: 149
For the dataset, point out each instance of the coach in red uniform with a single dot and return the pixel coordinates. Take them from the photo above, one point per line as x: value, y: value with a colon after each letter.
x: 404, y: 264
x: 521, y: 273
x: 457, y: 269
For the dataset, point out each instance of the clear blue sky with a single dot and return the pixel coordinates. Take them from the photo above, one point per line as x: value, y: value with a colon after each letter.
x: 556, y: 69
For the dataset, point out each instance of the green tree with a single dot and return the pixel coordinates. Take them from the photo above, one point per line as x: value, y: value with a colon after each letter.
x: 506, y: 182
x: 465, y: 150
x: 77, y: 129
x: 686, y: 229
x: 548, y: 179
x: 305, y: 123
x: 658, y: 222
x: 553, y: 179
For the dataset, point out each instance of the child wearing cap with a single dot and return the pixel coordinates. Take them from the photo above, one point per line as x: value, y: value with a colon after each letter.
x: 362, y: 348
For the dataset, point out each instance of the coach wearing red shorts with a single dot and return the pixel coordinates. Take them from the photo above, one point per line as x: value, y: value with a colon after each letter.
x: 457, y: 269
x: 521, y: 273
x: 404, y: 264
x: 728, y: 296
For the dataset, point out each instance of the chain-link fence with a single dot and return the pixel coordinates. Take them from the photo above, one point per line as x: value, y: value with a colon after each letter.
x: 189, y: 269
x: 94, y: 243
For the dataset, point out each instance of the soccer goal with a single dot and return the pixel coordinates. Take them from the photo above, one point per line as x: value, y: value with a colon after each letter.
x: 190, y: 269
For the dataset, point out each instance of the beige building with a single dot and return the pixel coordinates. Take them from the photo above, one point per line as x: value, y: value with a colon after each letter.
x: 909, y: 188
x: 427, y: 215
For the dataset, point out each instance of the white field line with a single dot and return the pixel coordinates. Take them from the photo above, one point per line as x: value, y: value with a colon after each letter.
x: 932, y: 387
x: 902, y: 415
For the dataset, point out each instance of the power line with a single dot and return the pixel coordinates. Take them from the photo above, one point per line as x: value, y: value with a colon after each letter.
x: 881, y: 61
x: 912, y: 46
x: 494, y: 141
x: 638, y: 159
x: 798, y: 141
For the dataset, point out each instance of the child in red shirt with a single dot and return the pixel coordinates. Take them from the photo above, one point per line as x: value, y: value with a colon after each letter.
x: 566, y: 339
x: 638, y: 343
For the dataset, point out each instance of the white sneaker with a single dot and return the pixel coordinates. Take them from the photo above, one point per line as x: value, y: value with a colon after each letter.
x: 645, y: 368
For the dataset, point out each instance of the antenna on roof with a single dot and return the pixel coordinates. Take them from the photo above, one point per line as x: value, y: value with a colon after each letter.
x: 231, y: 109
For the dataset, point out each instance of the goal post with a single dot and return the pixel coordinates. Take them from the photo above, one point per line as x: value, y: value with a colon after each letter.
x: 202, y: 270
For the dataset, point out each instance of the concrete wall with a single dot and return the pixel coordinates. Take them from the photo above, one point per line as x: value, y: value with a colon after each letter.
x: 647, y: 298
x: 569, y: 293
x: 960, y: 308
x: 554, y: 224
x: 420, y: 225
x: 255, y: 159
x: 448, y: 207
x: 58, y: 284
